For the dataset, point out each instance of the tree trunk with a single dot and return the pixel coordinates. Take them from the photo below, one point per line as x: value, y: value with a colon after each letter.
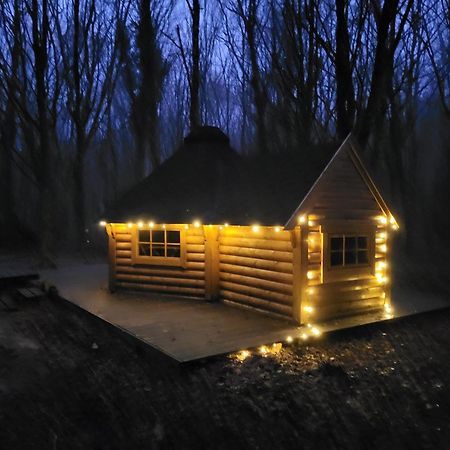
x: 194, y: 112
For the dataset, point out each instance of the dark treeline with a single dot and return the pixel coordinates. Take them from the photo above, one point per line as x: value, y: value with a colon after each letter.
x: 94, y: 94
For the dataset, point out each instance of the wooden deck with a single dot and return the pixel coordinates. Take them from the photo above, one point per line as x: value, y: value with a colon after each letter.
x: 187, y: 329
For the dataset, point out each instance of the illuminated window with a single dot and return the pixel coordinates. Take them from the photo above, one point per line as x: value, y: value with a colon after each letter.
x: 159, y: 243
x: 346, y: 250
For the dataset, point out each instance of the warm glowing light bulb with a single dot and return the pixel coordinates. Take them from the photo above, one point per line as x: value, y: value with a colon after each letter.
x: 277, y: 229
x: 315, y: 331
x: 263, y: 350
x: 383, y: 248
x: 197, y: 224
x: 304, y: 336
x: 382, y: 219
x: 186, y: 227
x: 388, y: 308
x: 140, y: 224
x: 151, y: 224
x: 255, y: 228
x: 102, y: 223
x: 302, y: 219
x: 310, y: 275
x: 308, y: 309
x: 289, y: 339
x: 164, y: 226
x: 310, y: 223
x: 225, y: 224
x: 130, y: 224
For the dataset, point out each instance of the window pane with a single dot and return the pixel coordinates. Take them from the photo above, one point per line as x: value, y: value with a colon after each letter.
x: 157, y: 250
x: 144, y: 236
x: 350, y: 243
x: 350, y: 257
x: 173, y: 237
x: 363, y: 257
x: 336, y: 243
x: 144, y: 249
x: 336, y: 258
x: 173, y: 251
x: 362, y: 242
x: 158, y: 236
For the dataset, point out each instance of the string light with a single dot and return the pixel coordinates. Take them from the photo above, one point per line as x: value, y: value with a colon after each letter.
x: 140, y: 224
x: 310, y: 275
x: 304, y: 336
x: 277, y: 229
x: 315, y: 331
x: 130, y: 224
x: 255, y: 228
x: 302, y: 219
x: 225, y: 224
x: 308, y: 309
x: 186, y: 227
x: 151, y: 224
x: 310, y: 223
x: 197, y: 224
x: 102, y: 223
x: 164, y: 226
x: 289, y: 339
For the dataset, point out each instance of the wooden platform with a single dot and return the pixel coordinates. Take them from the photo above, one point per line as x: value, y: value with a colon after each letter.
x: 187, y: 329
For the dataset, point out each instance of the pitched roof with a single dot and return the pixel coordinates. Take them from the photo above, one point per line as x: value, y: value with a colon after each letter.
x: 206, y: 180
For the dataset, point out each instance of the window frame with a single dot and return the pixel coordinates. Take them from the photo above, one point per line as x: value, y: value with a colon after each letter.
x: 159, y: 260
x: 349, y: 229
x: 357, y: 249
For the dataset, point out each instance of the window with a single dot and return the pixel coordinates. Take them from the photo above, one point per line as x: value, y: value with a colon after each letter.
x: 159, y: 243
x: 348, y: 250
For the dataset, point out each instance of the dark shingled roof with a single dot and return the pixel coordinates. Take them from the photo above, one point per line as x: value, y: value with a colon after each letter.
x: 205, y: 179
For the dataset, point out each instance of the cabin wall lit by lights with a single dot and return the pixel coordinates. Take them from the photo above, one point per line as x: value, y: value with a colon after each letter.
x: 126, y: 272
x: 330, y: 258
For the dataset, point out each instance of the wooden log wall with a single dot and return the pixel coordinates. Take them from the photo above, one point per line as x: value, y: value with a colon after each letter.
x: 349, y: 293
x: 187, y: 281
x: 255, y: 268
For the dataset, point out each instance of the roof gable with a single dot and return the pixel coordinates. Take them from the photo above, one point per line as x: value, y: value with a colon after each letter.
x: 343, y: 188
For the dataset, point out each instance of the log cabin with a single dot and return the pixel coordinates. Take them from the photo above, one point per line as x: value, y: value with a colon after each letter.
x: 274, y: 234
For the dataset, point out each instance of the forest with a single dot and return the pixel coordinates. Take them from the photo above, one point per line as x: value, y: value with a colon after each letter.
x: 95, y: 94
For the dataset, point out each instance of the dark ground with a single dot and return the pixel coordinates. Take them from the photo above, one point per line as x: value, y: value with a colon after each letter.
x: 67, y: 380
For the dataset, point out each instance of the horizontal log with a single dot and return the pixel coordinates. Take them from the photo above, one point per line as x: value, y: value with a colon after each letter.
x: 270, y: 255
x: 170, y: 272
x: 123, y: 261
x: 347, y: 308
x: 191, y: 239
x: 123, y: 246
x: 252, y: 282
x: 256, y: 302
x: 123, y: 237
x: 263, y: 244
x: 158, y: 280
x: 349, y: 285
x: 192, y: 265
x: 197, y: 292
x: 274, y: 266
x: 265, y: 294
x: 351, y: 213
x: 268, y: 233
x: 192, y: 231
x: 279, y: 277
x: 195, y: 248
x: 314, y: 258
x: 123, y: 253
x: 195, y: 257
x: 329, y: 297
